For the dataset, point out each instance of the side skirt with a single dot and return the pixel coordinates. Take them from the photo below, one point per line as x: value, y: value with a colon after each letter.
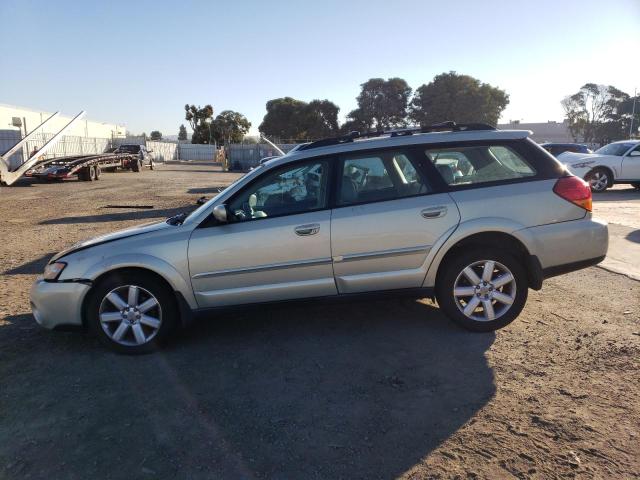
x: 189, y: 315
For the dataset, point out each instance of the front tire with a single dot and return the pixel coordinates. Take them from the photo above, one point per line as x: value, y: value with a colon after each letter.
x: 599, y: 180
x: 132, y: 313
x: 482, y: 289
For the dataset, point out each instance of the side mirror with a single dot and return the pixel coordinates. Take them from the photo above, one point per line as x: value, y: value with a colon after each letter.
x: 220, y: 213
x: 635, y: 153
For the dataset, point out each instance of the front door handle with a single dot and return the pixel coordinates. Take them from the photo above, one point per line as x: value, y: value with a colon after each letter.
x: 308, y: 229
x: 434, y: 212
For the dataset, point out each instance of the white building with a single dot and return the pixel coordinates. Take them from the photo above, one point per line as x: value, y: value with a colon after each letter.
x: 85, y: 136
x: 551, y: 131
x: 26, y: 119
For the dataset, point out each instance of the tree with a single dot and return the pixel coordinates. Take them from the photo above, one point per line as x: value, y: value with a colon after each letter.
x: 230, y: 127
x: 460, y: 98
x: 200, y: 119
x: 320, y: 119
x: 381, y: 104
x: 155, y: 135
x: 182, y: 133
x: 597, y: 113
x: 288, y: 118
x: 283, y: 118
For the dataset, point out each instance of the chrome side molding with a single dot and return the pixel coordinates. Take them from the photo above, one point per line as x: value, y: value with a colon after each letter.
x: 264, y: 268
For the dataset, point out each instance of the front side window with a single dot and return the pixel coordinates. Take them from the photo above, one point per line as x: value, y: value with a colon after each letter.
x: 479, y: 164
x: 295, y: 189
x: 377, y: 177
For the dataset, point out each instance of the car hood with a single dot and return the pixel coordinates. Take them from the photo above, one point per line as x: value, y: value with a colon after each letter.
x: 110, y: 237
x: 572, y: 157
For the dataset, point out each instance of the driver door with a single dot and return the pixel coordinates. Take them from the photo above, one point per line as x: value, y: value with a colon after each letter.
x: 276, y: 244
x: 631, y: 165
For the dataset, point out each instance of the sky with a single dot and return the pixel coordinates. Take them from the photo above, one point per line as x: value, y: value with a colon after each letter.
x: 138, y: 63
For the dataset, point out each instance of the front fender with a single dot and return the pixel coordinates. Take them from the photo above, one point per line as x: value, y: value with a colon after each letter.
x: 148, y: 262
x: 471, y: 227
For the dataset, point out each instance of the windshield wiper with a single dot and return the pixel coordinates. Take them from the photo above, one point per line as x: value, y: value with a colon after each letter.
x: 177, y: 219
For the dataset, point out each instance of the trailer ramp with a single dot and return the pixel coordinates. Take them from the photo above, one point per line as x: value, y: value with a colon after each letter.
x: 7, y: 176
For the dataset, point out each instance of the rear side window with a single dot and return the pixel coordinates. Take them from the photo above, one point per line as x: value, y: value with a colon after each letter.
x: 479, y: 164
x: 378, y: 176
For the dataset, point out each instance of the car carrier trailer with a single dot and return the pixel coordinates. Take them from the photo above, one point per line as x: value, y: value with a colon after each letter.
x: 85, y: 167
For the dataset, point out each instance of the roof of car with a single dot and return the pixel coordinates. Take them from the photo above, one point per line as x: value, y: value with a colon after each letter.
x: 553, y: 144
x: 405, y: 140
x: 627, y: 141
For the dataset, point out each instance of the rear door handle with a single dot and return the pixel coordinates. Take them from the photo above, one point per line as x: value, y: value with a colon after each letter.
x: 306, y: 230
x: 434, y: 212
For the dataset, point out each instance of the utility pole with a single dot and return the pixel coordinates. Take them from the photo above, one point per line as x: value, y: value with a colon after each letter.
x: 633, y: 111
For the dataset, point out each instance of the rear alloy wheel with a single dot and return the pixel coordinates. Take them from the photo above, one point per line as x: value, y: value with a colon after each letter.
x: 132, y: 313
x: 92, y: 174
x: 98, y: 172
x: 482, y: 290
x: 598, y: 180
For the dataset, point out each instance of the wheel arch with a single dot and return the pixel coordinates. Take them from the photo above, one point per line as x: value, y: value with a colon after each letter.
x: 513, y: 237
x: 163, y: 271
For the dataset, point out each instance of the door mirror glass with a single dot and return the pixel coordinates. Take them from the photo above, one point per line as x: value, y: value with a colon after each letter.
x: 220, y: 213
x: 635, y: 153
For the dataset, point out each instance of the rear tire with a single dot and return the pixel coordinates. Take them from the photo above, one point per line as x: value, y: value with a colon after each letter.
x: 599, y: 179
x: 132, y: 323
x: 136, y: 165
x: 479, y: 301
x: 83, y: 174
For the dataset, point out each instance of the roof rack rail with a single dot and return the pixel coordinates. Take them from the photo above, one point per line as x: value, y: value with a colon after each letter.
x: 401, y: 132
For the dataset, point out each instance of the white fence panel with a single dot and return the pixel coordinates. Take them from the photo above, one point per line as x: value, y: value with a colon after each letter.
x: 162, y: 151
x: 190, y: 151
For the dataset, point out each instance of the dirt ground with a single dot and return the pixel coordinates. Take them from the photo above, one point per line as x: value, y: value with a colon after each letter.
x: 370, y: 389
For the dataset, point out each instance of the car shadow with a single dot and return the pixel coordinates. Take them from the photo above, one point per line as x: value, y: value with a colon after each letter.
x: 633, y: 236
x: 617, y: 195
x: 34, y: 267
x: 137, y: 214
x: 313, y: 390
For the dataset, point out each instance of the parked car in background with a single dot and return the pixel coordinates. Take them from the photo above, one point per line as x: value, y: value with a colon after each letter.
x: 473, y: 217
x: 556, y: 149
x: 618, y: 162
x: 144, y: 156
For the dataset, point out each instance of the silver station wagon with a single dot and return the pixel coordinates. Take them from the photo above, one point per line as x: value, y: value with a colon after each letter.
x: 467, y: 214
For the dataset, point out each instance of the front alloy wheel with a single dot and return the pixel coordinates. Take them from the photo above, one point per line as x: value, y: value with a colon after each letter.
x: 598, y: 180
x: 130, y: 315
x: 482, y: 289
x: 132, y: 311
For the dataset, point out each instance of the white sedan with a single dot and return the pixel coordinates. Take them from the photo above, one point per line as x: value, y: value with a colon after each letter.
x: 618, y: 162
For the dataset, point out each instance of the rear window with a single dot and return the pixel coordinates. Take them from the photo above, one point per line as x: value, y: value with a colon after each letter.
x: 479, y: 164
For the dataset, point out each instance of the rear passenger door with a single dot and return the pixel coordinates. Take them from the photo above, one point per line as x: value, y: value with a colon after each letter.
x: 385, y: 220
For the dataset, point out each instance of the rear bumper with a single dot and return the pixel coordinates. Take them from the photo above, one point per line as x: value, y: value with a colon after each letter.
x: 56, y: 304
x: 570, y: 267
x: 567, y: 246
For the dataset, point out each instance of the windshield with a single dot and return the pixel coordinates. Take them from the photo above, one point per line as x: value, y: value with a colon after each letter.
x: 617, y: 149
x: 207, y: 205
x: 130, y: 148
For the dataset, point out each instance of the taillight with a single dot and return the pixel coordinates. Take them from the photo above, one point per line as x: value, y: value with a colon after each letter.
x: 574, y: 190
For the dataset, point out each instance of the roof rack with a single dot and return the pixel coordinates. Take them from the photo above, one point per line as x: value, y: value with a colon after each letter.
x: 436, y: 127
